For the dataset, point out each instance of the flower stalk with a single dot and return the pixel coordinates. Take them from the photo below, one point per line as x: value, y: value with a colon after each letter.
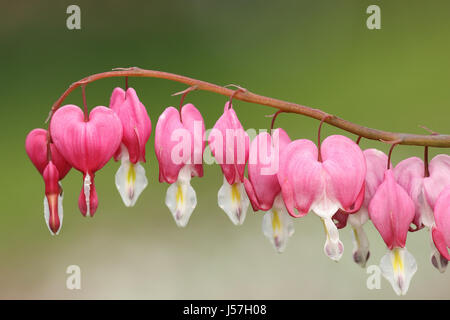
x: 438, y: 140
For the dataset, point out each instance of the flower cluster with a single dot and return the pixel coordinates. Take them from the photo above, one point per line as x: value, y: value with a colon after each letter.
x: 286, y: 179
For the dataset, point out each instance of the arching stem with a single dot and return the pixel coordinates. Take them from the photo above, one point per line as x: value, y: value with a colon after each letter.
x: 235, y: 92
x: 183, y: 96
x: 390, y: 154
x: 439, y: 140
x: 272, y: 123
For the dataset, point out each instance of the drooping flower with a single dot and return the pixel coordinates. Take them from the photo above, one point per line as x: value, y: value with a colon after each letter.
x: 324, y: 184
x: 179, y: 147
x: 423, y: 190
x: 87, y: 145
x: 376, y: 161
x: 130, y: 178
x: 229, y: 145
x: 392, y: 211
x: 52, y: 172
x: 441, y: 229
x: 263, y: 189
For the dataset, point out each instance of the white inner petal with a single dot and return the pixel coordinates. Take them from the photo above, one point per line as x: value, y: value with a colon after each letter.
x: 333, y: 247
x: 234, y: 201
x: 60, y: 213
x: 278, y: 225
x: 398, y: 267
x: 359, y: 218
x: 181, y: 198
x: 130, y: 180
x: 325, y: 206
x: 360, y: 240
x: 426, y: 213
x: 437, y: 260
x: 360, y: 246
x: 87, y: 193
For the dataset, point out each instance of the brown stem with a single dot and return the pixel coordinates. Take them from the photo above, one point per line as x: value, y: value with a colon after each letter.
x: 183, y: 95
x: 442, y: 141
x: 86, y: 113
x: 390, y: 154
x: 319, y: 158
x: 358, y: 140
x: 275, y: 115
x: 425, y: 161
x: 234, y: 94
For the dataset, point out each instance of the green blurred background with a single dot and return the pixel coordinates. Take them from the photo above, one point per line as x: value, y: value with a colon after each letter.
x: 317, y: 53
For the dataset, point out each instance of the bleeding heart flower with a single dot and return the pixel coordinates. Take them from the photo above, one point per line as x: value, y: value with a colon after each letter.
x: 263, y: 189
x: 52, y: 171
x: 441, y: 230
x: 87, y: 145
x: 336, y: 181
x: 130, y: 178
x: 229, y: 144
x: 392, y: 211
x: 179, y: 149
x: 410, y: 174
x: 376, y: 161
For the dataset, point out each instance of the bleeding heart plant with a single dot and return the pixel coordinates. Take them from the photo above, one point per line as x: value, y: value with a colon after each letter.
x: 286, y: 179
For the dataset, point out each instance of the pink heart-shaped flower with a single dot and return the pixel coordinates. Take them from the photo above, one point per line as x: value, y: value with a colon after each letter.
x: 179, y: 142
x: 86, y: 145
x: 135, y: 121
x: 230, y: 144
x: 336, y: 182
x: 262, y: 185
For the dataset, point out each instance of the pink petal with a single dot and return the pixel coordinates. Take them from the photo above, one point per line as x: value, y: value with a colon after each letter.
x: 409, y: 173
x: 356, y: 206
x: 93, y: 200
x: 179, y: 142
x: 263, y: 167
x: 376, y: 163
x: 252, y: 195
x: 52, y: 191
x: 36, y: 148
x: 441, y: 232
x: 232, y: 149
x: 168, y: 122
x: 193, y: 121
x: 391, y: 211
x: 440, y: 242
x: 344, y: 161
x: 300, y: 176
x: 439, y: 178
x: 89, y: 145
x: 135, y: 121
